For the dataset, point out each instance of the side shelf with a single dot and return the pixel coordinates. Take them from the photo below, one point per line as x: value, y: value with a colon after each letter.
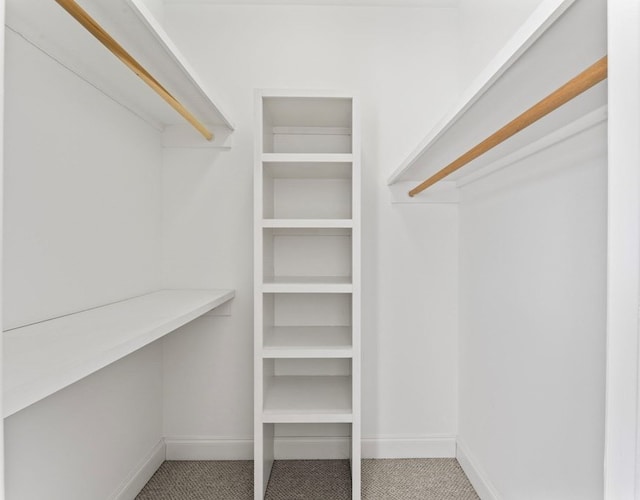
x: 48, y: 27
x: 42, y: 358
x: 561, y: 39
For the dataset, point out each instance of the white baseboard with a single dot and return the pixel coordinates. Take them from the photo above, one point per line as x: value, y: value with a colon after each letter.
x: 288, y: 448
x: 477, y: 476
x: 208, y: 448
x: 141, y: 474
x: 311, y: 448
x: 409, y: 447
x: 214, y: 448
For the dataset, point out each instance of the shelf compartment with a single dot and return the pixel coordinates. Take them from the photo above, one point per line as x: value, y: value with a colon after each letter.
x: 297, y: 255
x: 322, y: 441
x: 301, y: 399
x: 306, y: 310
x: 42, y: 358
x: 307, y: 342
x: 311, y: 190
x: 51, y: 29
x: 307, y: 124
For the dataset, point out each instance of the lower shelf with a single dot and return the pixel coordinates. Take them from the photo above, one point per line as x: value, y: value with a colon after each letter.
x: 43, y: 358
x: 308, y: 399
x: 307, y: 284
x: 307, y: 342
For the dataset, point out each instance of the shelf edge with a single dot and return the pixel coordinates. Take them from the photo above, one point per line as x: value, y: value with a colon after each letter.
x: 307, y: 158
x: 307, y: 223
x: 305, y: 288
x: 304, y: 418
x: 308, y: 353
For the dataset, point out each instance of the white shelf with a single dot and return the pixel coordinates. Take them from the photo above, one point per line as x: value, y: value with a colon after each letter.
x: 307, y: 157
x: 307, y: 223
x: 42, y: 358
x: 308, y: 170
x: 307, y: 212
x: 300, y: 399
x: 49, y: 27
x: 307, y: 342
x: 307, y: 284
x: 561, y: 39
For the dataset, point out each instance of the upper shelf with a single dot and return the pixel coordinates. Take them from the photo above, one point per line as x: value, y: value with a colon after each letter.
x: 43, y: 358
x: 46, y: 25
x: 304, y: 123
x: 561, y: 39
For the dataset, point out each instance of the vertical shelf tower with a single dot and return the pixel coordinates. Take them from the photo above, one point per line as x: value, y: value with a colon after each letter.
x: 307, y: 273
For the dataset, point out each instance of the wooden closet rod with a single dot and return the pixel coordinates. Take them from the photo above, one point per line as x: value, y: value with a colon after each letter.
x: 574, y: 87
x: 80, y: 15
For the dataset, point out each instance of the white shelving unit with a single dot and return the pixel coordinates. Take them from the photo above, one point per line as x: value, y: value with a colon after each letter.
x: 307, y: 269
x: 41, y: 359
x: 561, y: 39
x: 47, y: 26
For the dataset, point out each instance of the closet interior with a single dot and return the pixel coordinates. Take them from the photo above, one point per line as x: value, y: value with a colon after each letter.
x: 276, y: 231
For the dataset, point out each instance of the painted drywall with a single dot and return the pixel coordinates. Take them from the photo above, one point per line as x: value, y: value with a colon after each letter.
x: 86, y: 440
x: 403, y: 62
x: 485, y: 27
x: 532, y: 324
x: 157, y: 8
x: 82, y: 193
x: 82, y: 222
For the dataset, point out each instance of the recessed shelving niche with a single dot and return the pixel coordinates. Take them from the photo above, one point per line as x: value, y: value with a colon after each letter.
x: 307, y: 190
x: 307, y: 124
x: 307, y: 325
x: 294, y: 253
x: 307, y: 275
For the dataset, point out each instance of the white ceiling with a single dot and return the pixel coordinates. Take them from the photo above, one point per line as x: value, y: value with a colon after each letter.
x: 344, y: 3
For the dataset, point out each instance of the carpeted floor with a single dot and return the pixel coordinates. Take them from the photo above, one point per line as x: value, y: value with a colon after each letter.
x: 406, y: 479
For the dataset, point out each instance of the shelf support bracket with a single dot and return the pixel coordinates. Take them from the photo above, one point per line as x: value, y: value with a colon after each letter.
x: 90, y: 24
x: 593, y: 75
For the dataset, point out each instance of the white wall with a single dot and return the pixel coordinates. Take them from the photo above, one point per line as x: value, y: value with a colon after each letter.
x: 157, y: 8
x: 85, y: 441
x: 82, y: 193
x: 404, y: 64
x: 485, y: 26
x: 81, y: 228
x: 532, y: 333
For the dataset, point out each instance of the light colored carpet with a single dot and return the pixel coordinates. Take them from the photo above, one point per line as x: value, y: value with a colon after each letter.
x: 405, y: 479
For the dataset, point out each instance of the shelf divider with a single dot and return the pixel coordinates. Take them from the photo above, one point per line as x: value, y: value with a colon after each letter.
x: 307, y: 342
x: 307, y: 223
x: 307, y: 157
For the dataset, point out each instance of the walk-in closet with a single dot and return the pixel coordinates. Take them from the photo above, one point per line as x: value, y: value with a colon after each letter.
x: 320, y: 249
